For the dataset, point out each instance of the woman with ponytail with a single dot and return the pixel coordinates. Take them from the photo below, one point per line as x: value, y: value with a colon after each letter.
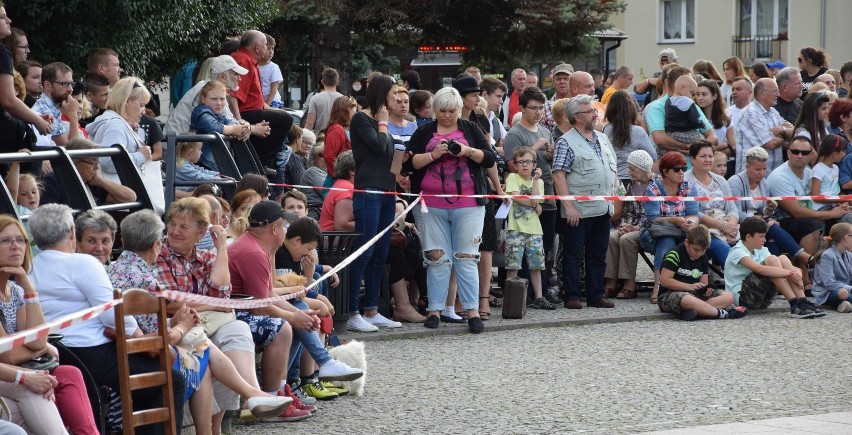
x: 833, y: 271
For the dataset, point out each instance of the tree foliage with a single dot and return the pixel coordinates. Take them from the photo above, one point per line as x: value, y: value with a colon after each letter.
x: 153, y: 38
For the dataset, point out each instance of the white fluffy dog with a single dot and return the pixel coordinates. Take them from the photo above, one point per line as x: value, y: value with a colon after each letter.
x: 353, y: 355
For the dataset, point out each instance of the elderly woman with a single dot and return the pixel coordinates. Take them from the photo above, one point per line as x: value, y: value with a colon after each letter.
x: 337, y: 213
x: 677, y: 214
x: 451, y: 231
x: 752, y: 182
x: 117, y: 125
x: 623, y: 251
x: 142, y: 237
x: 316, y: 175
x: 182, y: 267
x: 719, y: 216
x: 373, y: 150
x: 95, y: 232
x: 31, y: 403
x: 103, y: 191
x: 68, y: 283
x: 298, y: 162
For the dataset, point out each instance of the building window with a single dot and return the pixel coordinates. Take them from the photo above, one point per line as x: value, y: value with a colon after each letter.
x: 677, y: 20
x: 763, y: 18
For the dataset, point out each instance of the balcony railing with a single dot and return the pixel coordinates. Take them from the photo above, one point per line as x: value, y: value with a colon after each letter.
x: 758, y: 48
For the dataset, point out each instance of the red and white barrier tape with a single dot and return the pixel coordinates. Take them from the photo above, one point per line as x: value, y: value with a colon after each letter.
x: 30, y: 335
x: 589, y: 197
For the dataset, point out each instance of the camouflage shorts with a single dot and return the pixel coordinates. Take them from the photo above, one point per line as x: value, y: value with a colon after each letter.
x: 757, y: 292
x: 669, y: 302
x: 517, y: 243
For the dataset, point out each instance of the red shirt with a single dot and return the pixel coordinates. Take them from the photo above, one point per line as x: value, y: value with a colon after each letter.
x: 514, y: 107
x: 248, y: 95
x: 336, y: 142
x: 250, y: 266
x: 330, y: 203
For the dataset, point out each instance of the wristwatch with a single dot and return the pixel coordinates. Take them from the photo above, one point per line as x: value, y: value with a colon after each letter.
x: 470, y: 153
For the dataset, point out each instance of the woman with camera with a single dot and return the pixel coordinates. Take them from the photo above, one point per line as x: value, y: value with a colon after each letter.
x: 448, y: 156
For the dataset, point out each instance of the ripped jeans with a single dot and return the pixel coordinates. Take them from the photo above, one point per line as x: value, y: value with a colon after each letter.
x: 454, y: 234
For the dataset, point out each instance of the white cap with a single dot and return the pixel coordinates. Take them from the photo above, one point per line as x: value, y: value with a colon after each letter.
x: 225, y: 63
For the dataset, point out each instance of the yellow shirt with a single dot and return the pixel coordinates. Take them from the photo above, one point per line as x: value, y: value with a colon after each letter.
x: 608, y: 94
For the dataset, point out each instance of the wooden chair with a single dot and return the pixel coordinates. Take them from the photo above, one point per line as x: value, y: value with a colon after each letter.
x: 141, y: 302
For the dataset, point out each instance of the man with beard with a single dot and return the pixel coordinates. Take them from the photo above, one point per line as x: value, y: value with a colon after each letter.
x: 585, y: 161
x: 58, y: 81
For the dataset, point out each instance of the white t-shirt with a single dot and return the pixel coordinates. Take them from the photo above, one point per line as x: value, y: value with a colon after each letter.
x: 829, y: 180
x: 68, y: 283
x: 269, y: 74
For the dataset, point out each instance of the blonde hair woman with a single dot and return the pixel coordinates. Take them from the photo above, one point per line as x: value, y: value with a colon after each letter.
x: 118, y: 125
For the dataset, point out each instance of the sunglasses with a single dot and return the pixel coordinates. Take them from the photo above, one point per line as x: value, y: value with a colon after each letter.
x: 679, y: 168
x: 800, y: 152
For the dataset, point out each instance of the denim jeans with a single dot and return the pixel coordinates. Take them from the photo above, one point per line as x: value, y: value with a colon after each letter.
x: 717, y: 251
x: 373, y: 212
x: 457, y: 232
x: 304, y: 340
x: 659, y: 247
x: 592, y: 233
x: 779, y: 241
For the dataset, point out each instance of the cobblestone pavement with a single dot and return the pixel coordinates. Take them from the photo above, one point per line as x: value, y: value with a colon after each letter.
x: 599, y: 378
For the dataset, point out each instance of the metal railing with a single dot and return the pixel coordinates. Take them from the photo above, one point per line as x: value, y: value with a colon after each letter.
x: 221, y: 155
x: 758, y: 47
x: 71, y: 184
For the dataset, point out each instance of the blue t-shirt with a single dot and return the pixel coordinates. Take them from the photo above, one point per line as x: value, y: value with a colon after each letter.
x: 735, y: 272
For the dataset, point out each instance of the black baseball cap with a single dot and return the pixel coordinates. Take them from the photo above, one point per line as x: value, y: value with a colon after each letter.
x: 265, y: 213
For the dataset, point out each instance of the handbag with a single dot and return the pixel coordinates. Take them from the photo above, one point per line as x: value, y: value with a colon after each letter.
x: 45, y: 362
x: 665, y: 229
x: 152, y: 177
x: 498, y: 258
x: 211, y: 321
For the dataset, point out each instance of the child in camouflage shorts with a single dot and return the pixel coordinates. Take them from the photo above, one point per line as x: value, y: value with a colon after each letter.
x: 523, y: 232
x: 683, y: 282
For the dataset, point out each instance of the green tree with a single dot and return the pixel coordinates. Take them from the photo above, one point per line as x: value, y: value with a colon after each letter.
x: 153, y: 38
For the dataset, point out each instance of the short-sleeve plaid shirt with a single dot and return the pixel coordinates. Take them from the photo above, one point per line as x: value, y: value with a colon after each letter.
x: 190, y: 275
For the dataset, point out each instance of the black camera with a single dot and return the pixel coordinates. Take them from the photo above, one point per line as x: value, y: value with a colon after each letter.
x: 454, y: 147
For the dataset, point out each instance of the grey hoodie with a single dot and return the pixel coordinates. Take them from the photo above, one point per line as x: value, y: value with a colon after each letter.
x: 109, y: 129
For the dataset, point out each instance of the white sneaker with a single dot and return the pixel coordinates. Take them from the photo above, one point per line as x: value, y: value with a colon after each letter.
x: 451, y: 313
x: 335, y: 370
x: 267, y: 406
x: 844, y: 307
x: 357, y: 323
x: 382, y: 321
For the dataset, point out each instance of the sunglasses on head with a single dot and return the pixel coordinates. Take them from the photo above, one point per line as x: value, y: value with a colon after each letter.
x: 800, y: 152
x: 679, y: 168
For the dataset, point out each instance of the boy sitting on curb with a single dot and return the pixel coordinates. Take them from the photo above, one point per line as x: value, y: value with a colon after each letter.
x: 683, y: 282
x: 755, y: 277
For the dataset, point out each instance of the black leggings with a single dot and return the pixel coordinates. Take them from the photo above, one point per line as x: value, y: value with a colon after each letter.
x: 279, y: 123
x: 102, y: 363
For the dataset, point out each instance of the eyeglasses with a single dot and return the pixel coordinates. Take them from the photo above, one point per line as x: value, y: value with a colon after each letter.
x: 535, y: 108
x: 588, y: 111
x: 17, y: 240
x: 800, y: 152
x: 523, y: 162
x: 93, y: 163
x: 65, y: 84
x: 25, y: 47
x: 679, y: 168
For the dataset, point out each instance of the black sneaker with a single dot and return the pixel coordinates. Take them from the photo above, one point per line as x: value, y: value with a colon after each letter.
x: 475, y: 325
x: 735, y: 313
x: 552, y: 298
x: 432, y: 322
x: 687, y: 315
x: 802, y: 311
x: 812, y: 306
x: 542, y: 304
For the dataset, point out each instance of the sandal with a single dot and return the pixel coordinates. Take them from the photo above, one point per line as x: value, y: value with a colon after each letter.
x: 611, y: 292
x: 493, y: 302
x: 626, y: 293
x: 484, y: 315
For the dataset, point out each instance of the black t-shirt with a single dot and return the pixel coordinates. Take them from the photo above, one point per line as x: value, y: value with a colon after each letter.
x: 807, y: 80
x: 153, y: 132
x: 686, y: 270
x: 789, y: 110
x: 283, y: 260
x: 53, y: 194
x: 6, y: 63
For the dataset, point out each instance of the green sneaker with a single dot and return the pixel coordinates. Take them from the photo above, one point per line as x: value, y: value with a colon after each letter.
x: 318, y: 391
x: 341, y: 391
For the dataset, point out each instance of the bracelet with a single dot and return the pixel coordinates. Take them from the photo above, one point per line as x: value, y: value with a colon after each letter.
x: 383, y: 124
x: 31, y: 301
x: 179, y: 329
x: 431, y: 159
x: 31, y: 296
x: 19, y: 377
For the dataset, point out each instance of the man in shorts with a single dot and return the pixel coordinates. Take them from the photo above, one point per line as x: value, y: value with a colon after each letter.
x: 683, y: 282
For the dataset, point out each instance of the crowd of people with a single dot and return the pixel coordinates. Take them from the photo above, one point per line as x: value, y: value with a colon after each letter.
x: 682, y: 132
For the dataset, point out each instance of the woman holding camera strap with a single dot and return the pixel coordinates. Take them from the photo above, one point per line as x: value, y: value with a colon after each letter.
x: 447, y: 156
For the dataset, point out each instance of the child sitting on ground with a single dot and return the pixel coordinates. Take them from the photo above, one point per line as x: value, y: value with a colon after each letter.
x: 755, y: 276
x: 524, y: 232
x: 209, y: 117
x: 187, y: 170
x: 683, y: 120
x: 825, y: 176
x: 684, y: 286
x: 832, y: 276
